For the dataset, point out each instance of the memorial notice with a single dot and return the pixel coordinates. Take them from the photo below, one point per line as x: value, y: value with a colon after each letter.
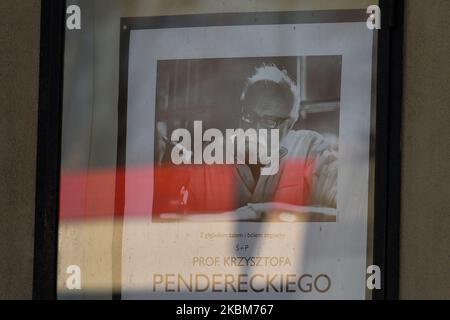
x: 247, y: 161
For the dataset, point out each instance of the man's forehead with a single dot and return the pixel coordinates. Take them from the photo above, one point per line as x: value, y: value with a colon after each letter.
x: 269, y: 96
x: 269, y: 105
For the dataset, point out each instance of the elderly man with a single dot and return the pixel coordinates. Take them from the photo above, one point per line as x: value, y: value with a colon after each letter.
x: 308, y: 165
x: 307, y: 172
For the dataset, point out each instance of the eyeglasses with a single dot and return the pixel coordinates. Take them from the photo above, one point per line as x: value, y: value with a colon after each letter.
x: 264, y: 121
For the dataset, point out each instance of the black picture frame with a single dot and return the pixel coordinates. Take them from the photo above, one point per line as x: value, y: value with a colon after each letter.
x: 48, y: 149
x: 387, y: 141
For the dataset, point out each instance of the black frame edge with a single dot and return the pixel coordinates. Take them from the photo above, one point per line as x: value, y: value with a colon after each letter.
x: 119, y: 205
x: 388, y: 149
x: 395, y: 152
x: 48, y: 147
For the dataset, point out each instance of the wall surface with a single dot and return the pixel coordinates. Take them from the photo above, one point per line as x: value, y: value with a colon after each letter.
x: 425, y: 216
x: 19, y: 67
x: 425, y: 236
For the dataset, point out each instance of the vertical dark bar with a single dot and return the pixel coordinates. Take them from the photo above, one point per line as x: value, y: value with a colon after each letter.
x: 394, y: 175
x: 49, y: 145
x: 388, y: 149
x: 382, y: 129
x: 121, y: 160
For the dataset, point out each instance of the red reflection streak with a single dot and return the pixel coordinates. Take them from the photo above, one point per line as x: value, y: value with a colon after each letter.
x: 170, y: 189
x: 195, y: 189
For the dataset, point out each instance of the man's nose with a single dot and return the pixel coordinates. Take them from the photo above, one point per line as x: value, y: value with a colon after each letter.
x: 258, y: 125
x: 246, y: 125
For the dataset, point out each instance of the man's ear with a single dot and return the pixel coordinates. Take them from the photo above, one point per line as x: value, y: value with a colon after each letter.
x: 296, y: 114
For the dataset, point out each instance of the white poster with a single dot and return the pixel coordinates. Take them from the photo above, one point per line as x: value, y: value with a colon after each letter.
x: 247, y: 162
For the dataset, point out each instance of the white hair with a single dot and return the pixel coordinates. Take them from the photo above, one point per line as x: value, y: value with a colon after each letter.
x: 272, y: 73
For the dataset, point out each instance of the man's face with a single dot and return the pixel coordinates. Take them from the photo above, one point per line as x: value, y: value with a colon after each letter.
x: 268, y: 106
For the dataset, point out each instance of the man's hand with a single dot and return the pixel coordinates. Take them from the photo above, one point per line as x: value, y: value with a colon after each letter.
x: 248, y: 213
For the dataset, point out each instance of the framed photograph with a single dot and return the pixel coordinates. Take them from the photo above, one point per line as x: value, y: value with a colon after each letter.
x: 255, y: 157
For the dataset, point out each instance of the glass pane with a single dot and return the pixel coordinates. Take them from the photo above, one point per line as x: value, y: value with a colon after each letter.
x: 223, y: 154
